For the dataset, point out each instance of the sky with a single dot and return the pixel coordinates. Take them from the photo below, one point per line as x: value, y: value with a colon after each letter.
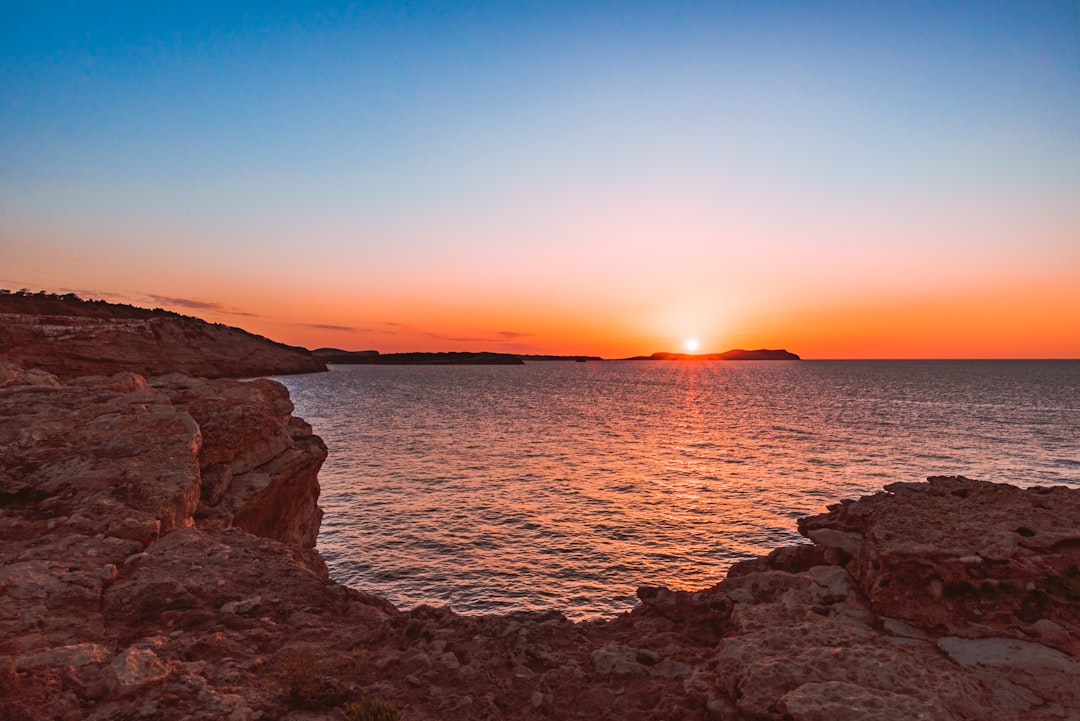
x: 841, y: 179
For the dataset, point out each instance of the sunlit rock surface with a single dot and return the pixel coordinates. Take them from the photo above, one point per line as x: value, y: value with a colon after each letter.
x: 965, y: 558
x: 150, y: 345
x: 155, y: 562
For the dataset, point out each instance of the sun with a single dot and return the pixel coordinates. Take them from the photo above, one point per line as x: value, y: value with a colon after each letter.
x: 691, y: 344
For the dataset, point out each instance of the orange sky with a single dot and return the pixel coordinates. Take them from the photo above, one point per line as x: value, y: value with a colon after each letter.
x: 840, y: 180
x: 1018, y: 321
x: 1033, y: 319
x: 874, y: 304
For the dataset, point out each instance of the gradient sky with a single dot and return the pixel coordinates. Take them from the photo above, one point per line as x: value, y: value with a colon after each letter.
x: 843, y: 179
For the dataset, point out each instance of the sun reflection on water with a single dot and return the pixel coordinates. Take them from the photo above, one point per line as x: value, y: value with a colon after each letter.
x: 568, y: 485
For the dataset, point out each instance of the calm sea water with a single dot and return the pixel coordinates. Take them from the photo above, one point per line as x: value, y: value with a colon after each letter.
x: 567, y: 485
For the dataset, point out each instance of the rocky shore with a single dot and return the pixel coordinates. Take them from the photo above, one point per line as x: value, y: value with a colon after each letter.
x: 157, y: 561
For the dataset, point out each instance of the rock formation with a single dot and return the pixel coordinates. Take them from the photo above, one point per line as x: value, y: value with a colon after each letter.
x: 156, y: 562
x: 100, y: 338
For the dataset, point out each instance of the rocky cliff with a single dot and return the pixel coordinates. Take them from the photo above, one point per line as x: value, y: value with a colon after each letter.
x: 156, y: 562
x: 73, y: 338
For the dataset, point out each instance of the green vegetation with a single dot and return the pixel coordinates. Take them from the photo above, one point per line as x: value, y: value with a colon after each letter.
x: 313, y: 682
x: 368, y: 710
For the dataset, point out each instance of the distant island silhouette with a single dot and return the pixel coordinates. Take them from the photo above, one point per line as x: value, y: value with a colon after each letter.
x: 374, y: 357
x: 736, y: 354
x: 578, y: 358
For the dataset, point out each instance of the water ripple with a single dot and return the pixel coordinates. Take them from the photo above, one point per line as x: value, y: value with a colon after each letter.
x: 567, y: 485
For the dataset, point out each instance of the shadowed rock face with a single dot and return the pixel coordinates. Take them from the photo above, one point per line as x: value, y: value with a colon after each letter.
x: 70, y: 346
x: 155, y: 562
x: 258, y: 464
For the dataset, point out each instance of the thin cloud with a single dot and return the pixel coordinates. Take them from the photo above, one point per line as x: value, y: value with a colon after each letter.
x: 329, y: 326
x: 190, y: 303
x: 194, y: 304
x: 15, y: 285
x: 386, y: 328
x: 500, y: 337
x: 96, y: 295
x: 81, y: 292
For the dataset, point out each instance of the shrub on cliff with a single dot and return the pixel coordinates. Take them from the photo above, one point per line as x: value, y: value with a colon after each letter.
x: 311, y: 682
x: 367, y: 710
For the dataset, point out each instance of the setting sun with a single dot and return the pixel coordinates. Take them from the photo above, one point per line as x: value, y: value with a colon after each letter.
x: 427, y: 273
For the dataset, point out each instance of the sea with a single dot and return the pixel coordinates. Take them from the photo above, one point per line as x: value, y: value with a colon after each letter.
x: 563, y: 485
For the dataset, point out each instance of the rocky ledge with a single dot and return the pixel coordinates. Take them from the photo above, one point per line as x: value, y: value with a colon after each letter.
x: 156, y: 562
x: 71, y: 337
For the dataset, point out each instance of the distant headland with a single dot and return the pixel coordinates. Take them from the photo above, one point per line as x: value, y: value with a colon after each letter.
x: 374, y: 357
x: 102, y: 338
x: 736, y: 354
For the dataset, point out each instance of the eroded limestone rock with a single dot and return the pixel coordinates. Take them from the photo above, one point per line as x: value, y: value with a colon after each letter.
x: 96, y: 476
x: 71, y: 346
x: 259, y: 464
x: 966, y: 558
x: 131, y: 589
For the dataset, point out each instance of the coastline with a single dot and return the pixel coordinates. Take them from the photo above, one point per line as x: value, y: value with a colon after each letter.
x: 158, y: 559
x: 127, y: 339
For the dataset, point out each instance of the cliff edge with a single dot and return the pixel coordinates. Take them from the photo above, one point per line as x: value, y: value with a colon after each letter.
x: 156, y: 562
x: 71, y: 337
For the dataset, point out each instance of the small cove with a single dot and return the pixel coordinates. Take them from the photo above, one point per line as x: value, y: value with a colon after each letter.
x: 567, y: 485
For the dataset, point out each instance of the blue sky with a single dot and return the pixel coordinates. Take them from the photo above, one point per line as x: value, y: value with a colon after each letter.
x: 750, y: 158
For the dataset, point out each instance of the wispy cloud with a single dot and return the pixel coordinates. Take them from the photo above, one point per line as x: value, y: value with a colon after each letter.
x: 96, y: 295
x: 329, y: 326
x: 195, y: 304
x: 143, y: 299
x: 190, y: 303
x: 83, y: 293
x: 496, y: 338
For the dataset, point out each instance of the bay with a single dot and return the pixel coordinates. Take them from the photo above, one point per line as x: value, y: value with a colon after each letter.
x: 567, y: 485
